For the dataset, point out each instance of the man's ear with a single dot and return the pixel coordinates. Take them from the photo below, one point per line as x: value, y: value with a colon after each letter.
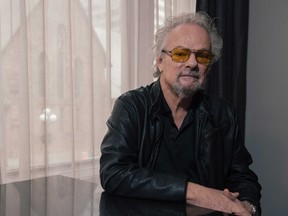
x: 159, y: 63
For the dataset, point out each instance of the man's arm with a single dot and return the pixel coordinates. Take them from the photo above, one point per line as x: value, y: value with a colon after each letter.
x: 223, y: 201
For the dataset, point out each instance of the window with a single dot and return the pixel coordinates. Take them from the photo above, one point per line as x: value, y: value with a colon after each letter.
x: 62, y: 65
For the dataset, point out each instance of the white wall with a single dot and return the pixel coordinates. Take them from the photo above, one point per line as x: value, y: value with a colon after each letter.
x: 267, y: 101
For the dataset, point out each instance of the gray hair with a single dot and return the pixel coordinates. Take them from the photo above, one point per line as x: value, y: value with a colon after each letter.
x: 200, y: 18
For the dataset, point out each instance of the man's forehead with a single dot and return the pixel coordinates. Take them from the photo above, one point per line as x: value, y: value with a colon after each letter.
x: 190, y: 33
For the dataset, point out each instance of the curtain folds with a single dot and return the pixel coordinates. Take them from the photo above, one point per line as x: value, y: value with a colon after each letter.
x: 228, y: 76
x: 62, y: 65
x: 52, y: 63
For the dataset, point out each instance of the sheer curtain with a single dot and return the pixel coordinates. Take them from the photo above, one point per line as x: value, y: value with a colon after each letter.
x: 62, y: 65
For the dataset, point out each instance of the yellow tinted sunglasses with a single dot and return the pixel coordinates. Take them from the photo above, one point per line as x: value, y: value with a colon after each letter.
x: 181, y: 55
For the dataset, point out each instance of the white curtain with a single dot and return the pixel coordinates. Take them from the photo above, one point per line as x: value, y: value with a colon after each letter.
x: 62, y: 65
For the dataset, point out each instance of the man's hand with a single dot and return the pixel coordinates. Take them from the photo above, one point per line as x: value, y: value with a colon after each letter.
x: 233, y: 197
x: 223, y: 201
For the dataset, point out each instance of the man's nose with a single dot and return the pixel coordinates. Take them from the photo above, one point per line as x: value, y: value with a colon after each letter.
x: 192, y: 62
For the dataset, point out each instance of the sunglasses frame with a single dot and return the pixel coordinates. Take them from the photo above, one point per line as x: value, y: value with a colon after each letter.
x: 197, y: 53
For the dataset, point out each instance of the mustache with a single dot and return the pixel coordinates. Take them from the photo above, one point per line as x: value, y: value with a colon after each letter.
x: 189, y: 72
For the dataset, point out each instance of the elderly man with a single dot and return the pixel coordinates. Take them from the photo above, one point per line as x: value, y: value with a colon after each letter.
x: 171, y: 140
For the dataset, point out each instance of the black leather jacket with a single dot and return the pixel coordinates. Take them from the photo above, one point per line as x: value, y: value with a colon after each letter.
x: 130, y: 148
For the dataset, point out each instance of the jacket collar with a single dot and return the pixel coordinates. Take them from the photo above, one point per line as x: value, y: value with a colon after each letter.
x: 156, y: 99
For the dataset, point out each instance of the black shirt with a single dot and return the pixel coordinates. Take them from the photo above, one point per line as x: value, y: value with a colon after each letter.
x: 177, y: 149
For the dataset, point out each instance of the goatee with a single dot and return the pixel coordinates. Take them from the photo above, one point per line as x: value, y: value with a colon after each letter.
x: 183, y: 91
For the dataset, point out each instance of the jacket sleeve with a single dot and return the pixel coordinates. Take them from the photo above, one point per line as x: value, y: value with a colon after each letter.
x: 121, y: 172
x: 240, y: 177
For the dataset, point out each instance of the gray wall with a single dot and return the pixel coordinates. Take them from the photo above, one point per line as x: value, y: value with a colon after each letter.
x: 267, y: 101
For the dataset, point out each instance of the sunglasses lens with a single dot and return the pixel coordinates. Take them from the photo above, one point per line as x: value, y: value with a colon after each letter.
x: 204, y: 57
x: 180, y: 55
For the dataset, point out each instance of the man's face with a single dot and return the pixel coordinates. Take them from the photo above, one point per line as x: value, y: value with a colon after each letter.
x: 184, y: 78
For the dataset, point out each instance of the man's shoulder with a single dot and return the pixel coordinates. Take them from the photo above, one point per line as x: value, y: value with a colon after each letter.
x: 140, y: 94
x: 217, y: 105
x: 215, y: 100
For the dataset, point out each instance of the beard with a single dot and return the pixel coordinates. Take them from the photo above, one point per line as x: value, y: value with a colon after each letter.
x: 187, y: 91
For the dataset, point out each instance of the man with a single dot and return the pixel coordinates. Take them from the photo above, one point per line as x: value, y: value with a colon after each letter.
x: 172, y: 141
